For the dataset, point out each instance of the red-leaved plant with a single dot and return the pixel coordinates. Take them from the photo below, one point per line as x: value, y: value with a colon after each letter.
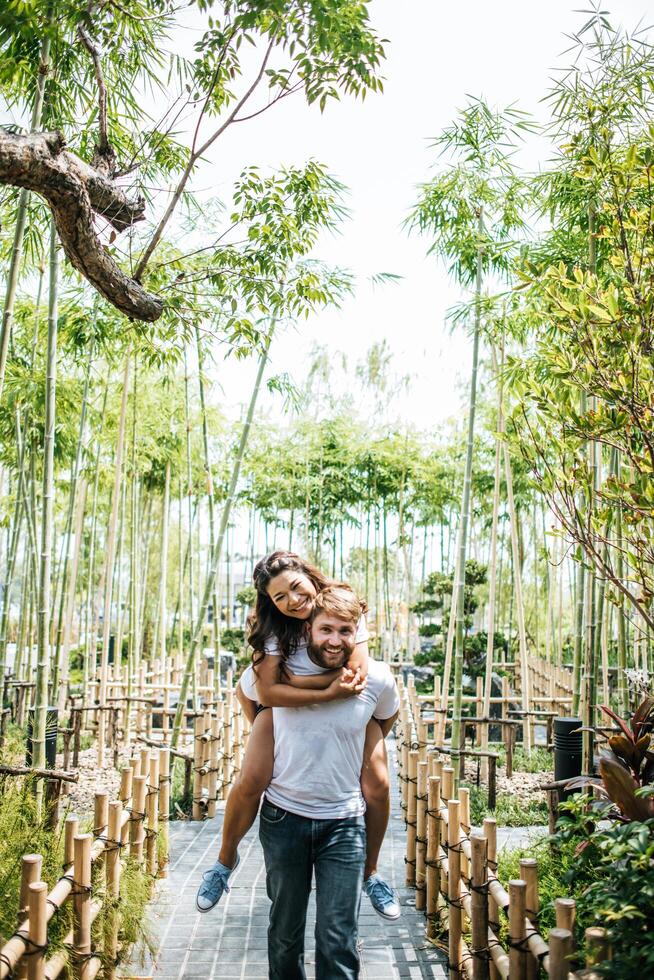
x: 626, y: 766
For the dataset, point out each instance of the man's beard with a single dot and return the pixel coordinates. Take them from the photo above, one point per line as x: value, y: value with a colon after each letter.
x: 316, y: 654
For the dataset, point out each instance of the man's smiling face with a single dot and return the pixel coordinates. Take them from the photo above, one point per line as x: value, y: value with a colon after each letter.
x: 331, y: 640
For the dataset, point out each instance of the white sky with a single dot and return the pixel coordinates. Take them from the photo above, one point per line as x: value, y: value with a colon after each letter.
x: 437, y: 54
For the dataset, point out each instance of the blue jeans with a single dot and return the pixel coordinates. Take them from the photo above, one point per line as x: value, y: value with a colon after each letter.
x: 293, y: 848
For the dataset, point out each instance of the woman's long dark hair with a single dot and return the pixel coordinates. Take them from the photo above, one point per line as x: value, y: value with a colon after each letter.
x: 266, y: 621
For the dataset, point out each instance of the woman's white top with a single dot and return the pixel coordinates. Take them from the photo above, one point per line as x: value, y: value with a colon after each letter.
x: 299, y: 662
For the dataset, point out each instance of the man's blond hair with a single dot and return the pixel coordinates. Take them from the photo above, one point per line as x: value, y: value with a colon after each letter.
x: 341, y: 601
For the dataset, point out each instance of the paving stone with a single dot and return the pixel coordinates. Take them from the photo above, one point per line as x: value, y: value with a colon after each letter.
x: 230, y: 942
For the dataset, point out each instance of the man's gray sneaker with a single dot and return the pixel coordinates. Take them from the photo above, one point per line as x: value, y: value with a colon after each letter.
x: 214, y: 884
x: 383, y: 898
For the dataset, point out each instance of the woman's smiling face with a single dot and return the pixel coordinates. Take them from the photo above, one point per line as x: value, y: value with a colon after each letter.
x: 293, y: 593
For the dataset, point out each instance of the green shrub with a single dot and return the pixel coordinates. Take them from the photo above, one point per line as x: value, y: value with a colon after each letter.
x: 612, y: 879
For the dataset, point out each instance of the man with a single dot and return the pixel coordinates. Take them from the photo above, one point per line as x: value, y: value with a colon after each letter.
x: 312, y: 815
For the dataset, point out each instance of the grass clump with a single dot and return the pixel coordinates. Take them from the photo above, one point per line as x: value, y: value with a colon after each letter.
x: 538, y: 760
x: 510, y: 810
x: 23, y: 832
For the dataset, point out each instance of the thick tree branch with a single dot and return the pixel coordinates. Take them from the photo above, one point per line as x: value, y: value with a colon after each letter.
x: 76, y: 192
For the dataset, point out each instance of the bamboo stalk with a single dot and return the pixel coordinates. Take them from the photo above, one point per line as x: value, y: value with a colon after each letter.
x: 453, y: 888
x: 479, y: 908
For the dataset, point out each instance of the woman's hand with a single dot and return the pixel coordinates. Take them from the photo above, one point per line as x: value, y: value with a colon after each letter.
x: 346, y: 685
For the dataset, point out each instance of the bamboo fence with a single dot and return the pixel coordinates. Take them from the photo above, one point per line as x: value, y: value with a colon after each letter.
x: 454, y: 873
x: 133, y: 825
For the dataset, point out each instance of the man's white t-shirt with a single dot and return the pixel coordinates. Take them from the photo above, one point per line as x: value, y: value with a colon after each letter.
x: 298, y: 662
x: 319, y: 750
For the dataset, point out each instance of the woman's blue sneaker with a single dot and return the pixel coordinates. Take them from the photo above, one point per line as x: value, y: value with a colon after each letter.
x: 214, y: 885
x: 383, y: 898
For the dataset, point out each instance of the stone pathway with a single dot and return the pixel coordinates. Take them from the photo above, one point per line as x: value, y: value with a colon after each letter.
x: 230, y: 942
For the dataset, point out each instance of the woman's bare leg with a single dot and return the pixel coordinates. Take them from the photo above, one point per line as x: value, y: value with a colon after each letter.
x: 375, y: 786
x: 242, y: 803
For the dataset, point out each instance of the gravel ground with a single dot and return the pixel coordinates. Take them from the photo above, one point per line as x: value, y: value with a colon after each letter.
x: 525, y: 786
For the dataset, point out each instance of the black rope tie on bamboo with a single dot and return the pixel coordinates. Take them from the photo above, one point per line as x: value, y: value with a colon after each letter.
x: 109, y: 844
x: 135, y: 814
x: 32, y: 947
x: 483, y: 954
x: 409, y: 861
x: 81, y: 957
x: 7, y: 962
x: 520, y: 944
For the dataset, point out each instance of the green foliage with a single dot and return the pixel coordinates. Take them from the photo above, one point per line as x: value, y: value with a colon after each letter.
x: 246, y: 596
x: 538, y: 760
x: 21, y: 832
x: 588, y: 301
x: 612, y: 878
x: 232, y: 639
x: 509, y: 812
x: 429, y: 629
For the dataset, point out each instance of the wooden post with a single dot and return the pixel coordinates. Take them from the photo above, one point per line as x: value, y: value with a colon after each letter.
x: 517, y: 932
x: 137, y: 817
x: 423, y: 742
x: 479, y: 910
x: 227, y: 741
x: 411, y: 820
x: 453, y: 886
x: 464, y: 799
x: 529, y: 874
x: 213, y: 767
x: 164, y: 808
x: 71, y: 829
x: 597, y: 945
x: 152, y: 811
x: 38, y: 929
x: 405, y: 746
x: 421, y: 837
x: 198, y: 749
x: 552, y: 809
x: 560, y: 943
x: 433, y: 850
x: 82, y: 905
x: 565, y: 911
x: 510, y: 746
x: 30, y: 874
x: 113, y: 848
x: 125, y: 794
x: 492, y: 782
x: 114, y: 844
x: 100, y: 819
x: 447, y: 782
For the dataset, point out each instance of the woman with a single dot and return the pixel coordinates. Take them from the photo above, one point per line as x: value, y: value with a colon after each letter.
x: 285, y: 677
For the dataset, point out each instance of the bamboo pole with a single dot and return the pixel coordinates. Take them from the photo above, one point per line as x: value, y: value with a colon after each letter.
x: 411, y: 814
x: 517, y: 931
x: 421, y: 836
x: 433, y: 849
x: 82, y: 905
x: 560, y: 941
x: 453, y: 888
x: 110, y: 555
x: 164, y: 809
x: 479, y: 909
x: 136, y: 831
x: 47, y: 522
x: 38, y: 929
x: 529, y: 874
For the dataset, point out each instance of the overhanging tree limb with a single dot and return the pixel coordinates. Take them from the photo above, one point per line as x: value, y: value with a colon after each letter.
x: 77, y: 193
